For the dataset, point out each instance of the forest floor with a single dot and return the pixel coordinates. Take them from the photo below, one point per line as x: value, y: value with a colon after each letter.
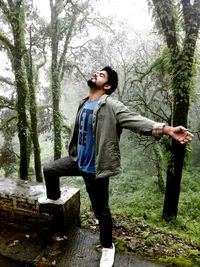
x: 134, y: 237
x: 79, y: 247
x: 137, y: 244
x: 136, y: 205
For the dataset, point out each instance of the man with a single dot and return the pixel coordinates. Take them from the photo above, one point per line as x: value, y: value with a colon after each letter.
x: 94, y: 149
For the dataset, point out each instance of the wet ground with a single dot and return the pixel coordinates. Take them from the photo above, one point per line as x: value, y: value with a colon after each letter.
x: 24, y: 248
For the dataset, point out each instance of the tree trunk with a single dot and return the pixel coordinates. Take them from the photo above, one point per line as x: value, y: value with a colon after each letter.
x: 181, y: 88
x: 182, y: 57
x: 159, y: 167
x: 55, y: 87
x: 34, y: 118
x: 174, y: 174
x: 21, y: 116
x: 17, y: 23
x: 55, y: 81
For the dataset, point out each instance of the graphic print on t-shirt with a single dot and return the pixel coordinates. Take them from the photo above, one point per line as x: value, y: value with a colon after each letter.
x: 84, y: 125
x: 86, y: 159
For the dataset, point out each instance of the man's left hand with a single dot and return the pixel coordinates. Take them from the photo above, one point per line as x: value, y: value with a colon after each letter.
x: 178, y: 133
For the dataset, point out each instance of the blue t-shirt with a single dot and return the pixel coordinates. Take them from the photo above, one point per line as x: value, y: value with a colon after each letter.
x: 86, y: 156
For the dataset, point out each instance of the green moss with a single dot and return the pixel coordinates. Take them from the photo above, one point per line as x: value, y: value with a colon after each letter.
x: 120, y: 245
x: 194, y: 253
x: 179, y: 262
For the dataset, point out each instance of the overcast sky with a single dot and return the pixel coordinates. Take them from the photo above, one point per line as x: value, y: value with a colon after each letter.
x: 134, y: 11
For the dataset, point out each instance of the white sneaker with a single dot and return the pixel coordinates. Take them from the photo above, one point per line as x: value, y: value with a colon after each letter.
x: 45, y: 200
x: 107, y: 257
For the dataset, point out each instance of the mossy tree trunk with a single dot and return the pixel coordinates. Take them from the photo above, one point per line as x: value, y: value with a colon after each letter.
x: 18, y: 28
x: 182, y: 57
x: 57, y: 64
x: 33, y: 115
x: 55, y: 78
x: 159, y: 166
x: 14, y: 14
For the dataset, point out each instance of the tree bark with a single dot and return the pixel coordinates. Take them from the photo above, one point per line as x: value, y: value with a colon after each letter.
x: 17, y: 24
x: 159, y: 167
x: 34, y: 117
x: 55, y: 81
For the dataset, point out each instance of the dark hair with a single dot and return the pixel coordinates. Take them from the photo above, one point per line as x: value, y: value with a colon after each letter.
x: 112, y: 79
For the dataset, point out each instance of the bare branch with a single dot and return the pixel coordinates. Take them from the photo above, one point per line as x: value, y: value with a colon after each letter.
x: 67, y: 39
x: 146, y: 73
x: 6, y: 41
x: 7, y: 80
x: 150, y: 109
x: 41, y: 64
x: 7, y: 103
x: 82, y: 45
x: 75, y: 66
x: 100, y: 23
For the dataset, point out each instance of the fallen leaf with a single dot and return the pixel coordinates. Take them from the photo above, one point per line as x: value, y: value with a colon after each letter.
x: 13, y: 243
x: 53, y: 263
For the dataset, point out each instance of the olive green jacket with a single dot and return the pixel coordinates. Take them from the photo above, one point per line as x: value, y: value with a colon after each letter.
x: 109, y: 118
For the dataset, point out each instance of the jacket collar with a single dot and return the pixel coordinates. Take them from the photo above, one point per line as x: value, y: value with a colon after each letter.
x: 83, y: 100
x: 102, y: 99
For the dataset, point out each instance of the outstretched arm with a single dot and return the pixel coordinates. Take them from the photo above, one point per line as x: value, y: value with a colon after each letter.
x: 178, y: 133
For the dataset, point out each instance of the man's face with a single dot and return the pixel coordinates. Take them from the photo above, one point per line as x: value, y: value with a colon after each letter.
x: 98, y: 80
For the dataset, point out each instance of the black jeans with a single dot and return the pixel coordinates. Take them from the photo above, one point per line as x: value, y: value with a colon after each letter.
x: 98, y: 191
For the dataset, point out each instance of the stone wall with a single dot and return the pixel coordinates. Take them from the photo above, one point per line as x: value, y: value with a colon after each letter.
x: 19, y: 205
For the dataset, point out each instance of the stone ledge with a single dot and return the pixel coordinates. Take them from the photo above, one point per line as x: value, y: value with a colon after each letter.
x: 19, y: 205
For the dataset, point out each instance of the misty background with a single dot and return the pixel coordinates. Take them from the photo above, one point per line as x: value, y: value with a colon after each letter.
x: 50, y: 48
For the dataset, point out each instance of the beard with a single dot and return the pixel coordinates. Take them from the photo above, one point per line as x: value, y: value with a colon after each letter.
x: 91, y: 84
